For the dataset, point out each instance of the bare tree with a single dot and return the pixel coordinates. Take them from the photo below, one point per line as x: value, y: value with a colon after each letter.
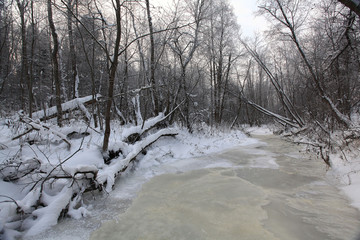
x: 74, y: 70
x: 25, y: 77
x: 221, y: 53
x: 54, y: 58
x: 154, y: 91
x: 112, y: 72
x: 286, y: 16
x: 283, y: 97
x: 6, y: 51
x: 184, y: 46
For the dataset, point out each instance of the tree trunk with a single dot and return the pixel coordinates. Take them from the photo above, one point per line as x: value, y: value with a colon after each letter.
x: 152, y: 81
x: 54, y: 58
x: 31, y: 76
x: 112, y: 73
x: 74, y: 74
x: 24, y: 55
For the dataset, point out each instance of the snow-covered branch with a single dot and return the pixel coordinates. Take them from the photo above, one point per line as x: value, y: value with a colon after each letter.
x: 40, y: 127
x: 107, y: 175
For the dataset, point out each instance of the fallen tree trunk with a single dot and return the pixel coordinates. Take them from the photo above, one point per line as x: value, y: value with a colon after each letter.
x: 284, y: 99
x: 280, y: 118
x: 77, y: 103
x: 56, y: 188
x: 106, y: 176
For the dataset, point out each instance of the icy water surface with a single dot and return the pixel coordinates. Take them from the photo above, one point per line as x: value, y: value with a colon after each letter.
x: 267, y: 190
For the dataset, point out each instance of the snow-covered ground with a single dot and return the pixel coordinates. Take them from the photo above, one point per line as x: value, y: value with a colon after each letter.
x: 51, y: 151
x: 85, y: 155
x: 346, y: 171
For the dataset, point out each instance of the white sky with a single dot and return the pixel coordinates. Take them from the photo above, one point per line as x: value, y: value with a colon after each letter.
x: 244, y: 10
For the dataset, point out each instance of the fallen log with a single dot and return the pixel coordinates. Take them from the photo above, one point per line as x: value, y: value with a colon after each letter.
x: 77, y: 103
x: 106, y: 176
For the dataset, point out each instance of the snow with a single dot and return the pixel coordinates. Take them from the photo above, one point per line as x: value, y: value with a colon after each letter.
x: 12, y: 190
x: 347, y: 173
x: 353, y: 191
x: 48, y: 216
x: 263, y: 130
x: 185, y: 152
x: 84, y: 158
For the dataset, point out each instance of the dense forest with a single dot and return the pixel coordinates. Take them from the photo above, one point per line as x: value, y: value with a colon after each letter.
x: 185, y: 63
x: 130, y: 54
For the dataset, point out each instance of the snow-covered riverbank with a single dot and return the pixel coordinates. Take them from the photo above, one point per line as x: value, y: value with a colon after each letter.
x: 204, y: 149
x: 266, y: 190
x: 51, y: 154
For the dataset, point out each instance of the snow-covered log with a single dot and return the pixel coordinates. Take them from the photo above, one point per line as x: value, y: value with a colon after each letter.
x: 106, y: 177
x: 135, y: 133
x: 77, y: 103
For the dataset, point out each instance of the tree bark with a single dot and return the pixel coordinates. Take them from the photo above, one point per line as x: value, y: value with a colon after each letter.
x: 152, y: 81
x: 24, y: 54
x: 112, y: 73
x: 74, y: 74
x: 54, y: 58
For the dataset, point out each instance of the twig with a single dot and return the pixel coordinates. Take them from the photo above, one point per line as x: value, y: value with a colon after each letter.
x: 39, y: 126
x: 59, y: 164
x: 23, y: 134
x: 12, y: 200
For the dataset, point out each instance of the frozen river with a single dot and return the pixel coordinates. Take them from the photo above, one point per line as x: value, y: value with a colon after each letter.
x: 265, y: 190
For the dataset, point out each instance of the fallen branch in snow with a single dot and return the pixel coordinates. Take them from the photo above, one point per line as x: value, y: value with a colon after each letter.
x: 313, y: 144
x: 13, y: 170
x: 56, y: 190
x: 40, y: 127
x: 11, y: 200
x: 137, y: 132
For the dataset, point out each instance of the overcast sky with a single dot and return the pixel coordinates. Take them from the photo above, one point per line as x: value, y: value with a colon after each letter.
x: 244, y: 10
